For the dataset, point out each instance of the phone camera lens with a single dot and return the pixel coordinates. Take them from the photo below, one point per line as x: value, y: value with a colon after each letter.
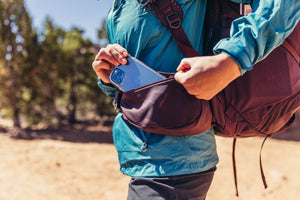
x: 119, y: 73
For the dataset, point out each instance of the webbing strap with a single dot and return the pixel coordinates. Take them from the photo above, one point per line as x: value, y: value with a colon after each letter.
x: 234, y: 167
x: 260, y: 165
x: 291, y: 50
x: 170, y: 14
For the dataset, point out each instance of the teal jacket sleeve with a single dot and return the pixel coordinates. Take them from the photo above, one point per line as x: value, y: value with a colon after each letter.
x: 254, y: 36
x: 108, y: 89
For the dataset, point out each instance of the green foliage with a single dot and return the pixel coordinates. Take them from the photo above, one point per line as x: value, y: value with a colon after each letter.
x: 17, y: 40
x: 48, y: 77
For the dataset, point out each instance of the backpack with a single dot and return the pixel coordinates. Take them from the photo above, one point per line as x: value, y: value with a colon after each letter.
x: 252, y: 110
x: 164, y: 107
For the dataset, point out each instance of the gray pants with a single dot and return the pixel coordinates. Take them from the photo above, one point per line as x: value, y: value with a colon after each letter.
x: 183, y: 187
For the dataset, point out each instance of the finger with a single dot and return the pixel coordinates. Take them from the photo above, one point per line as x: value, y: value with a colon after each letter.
x: 113, y: 53
x: 178, y: 77
x: 104, y: 76
x: 101, y: 64
x: 122, y: 50
x: 105, y: 55
x: 183, y: 78
x: 118, y: 52
x: 183, y: 66
x: 119, y: 56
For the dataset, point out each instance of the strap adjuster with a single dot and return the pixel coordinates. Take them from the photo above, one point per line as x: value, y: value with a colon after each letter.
x: 173, y: 20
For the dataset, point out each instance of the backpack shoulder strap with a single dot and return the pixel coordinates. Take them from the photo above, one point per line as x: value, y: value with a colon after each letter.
x: 171, y: 16
x: 291, y: 44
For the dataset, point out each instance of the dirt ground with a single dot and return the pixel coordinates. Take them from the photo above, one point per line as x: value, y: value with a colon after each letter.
x: 81, y: 164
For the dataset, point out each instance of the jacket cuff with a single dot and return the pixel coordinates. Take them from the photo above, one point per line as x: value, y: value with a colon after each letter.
x: 236, y: 52
x: 108, y: 89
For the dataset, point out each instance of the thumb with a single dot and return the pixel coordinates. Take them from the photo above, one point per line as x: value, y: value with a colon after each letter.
x: 180, y: 77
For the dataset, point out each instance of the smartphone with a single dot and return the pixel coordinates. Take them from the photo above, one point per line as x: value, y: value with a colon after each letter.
x: 133, y: 75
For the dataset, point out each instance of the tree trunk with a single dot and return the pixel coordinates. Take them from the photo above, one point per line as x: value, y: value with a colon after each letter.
x: 16, y: 117
x: 72, y: 107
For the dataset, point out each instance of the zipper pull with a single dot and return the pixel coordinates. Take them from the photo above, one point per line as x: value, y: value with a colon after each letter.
x: 144, y: 146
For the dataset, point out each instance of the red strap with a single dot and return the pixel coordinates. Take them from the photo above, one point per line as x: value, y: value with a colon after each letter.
x: 171, y: 16
x: 291, y: 50
x: 291, y: 44
x: 260, y: 164
x: 234, y: 167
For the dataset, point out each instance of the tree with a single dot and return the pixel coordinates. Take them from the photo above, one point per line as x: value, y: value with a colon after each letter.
x: 50, y: 76
x: 17, y: 39
x: 78, y: 59
x: 82, y: 81
x: 71, y: 80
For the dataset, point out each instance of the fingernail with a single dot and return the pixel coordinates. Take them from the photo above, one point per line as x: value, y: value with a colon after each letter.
x: 123, y: 60
x: 124, y: 53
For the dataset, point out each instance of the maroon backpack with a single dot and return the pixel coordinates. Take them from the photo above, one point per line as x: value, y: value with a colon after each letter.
x: 262, y: 102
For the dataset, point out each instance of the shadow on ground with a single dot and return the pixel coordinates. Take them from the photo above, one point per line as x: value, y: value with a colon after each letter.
x: 101, y: 133
x: 80, y: 133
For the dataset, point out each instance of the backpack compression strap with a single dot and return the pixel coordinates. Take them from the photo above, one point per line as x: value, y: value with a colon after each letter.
x: 260, y: 165
x: 171, y: 16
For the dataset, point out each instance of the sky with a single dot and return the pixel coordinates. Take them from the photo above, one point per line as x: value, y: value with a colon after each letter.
x: 85, y: 14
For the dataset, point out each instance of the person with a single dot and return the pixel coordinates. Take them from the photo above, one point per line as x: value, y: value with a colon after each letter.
x: 182, y: 167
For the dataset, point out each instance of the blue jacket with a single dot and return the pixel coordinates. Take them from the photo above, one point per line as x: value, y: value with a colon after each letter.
x: 143, y: 35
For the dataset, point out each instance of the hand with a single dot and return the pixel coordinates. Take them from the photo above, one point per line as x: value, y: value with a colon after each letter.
x: 107, y: 58
x: 206, y: 76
